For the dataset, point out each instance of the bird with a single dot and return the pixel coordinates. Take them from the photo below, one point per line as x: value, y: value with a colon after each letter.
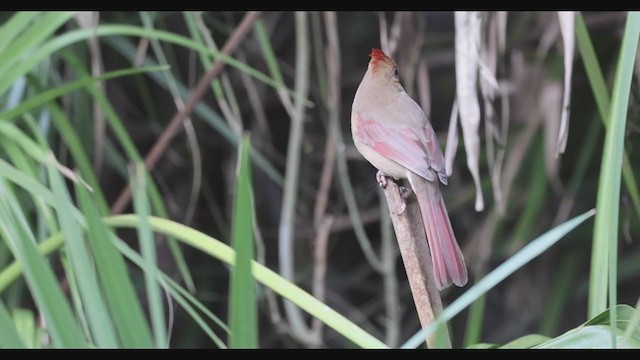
x: 392, y: 133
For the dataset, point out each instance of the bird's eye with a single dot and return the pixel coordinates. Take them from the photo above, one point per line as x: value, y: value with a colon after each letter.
x: 395, y: 72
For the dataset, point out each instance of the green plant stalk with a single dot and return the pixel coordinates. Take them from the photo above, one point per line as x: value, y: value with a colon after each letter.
x: 605, y: 246
x: 599, y: 88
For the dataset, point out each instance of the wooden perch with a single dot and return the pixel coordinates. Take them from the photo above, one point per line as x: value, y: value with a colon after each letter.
x: 417, y: 260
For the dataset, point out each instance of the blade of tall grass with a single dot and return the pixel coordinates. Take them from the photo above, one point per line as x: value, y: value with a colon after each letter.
x: 605, y: 241
x: 30, y: 332
x: 98, y: 316
x: 473, y: 331
x: 71, y: 37
x: 28, y: 167
x: 264, y: 275
x: 9, y: 337
x: 126, y: 310
x: 49, y: 95
x: 601, y: 94
x: 125, y: 140
x: 182, y: 296
x: 562, y: 289
x: 222, y: 252
x: 522, y: 257
x: 243, y: 319
x: 15, y: 25
x: 148, y: 250
x: 38, y: 274
x: 30, y: 38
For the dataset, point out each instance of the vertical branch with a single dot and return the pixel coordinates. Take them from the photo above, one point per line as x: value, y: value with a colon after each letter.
x: 417, y: 261
x: 286, y: 227
x: 389, y: 255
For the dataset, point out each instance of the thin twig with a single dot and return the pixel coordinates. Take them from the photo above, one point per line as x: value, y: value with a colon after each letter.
x: 174, y: 125
x: 320, y: 270
x: 286, y: 227
x: 417, y: 261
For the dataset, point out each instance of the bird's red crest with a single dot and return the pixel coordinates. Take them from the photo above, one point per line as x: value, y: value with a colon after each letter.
x: 378, y: 56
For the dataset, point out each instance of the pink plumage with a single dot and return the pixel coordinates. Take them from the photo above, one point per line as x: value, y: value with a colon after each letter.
x: 392, y: 132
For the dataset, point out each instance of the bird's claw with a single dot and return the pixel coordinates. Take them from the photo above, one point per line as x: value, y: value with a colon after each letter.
x: 382, y: 179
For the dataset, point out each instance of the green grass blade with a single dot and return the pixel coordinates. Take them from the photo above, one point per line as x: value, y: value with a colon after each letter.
x: 33, y: 186
x: 15, y: 26
x: 127, y: 312
x: 9, y: 337
x: 605, y: 242
x: 18, y: 50
x: 522, y: 257
x: 178, y: 293
x: 243, y: 315
x: 28, y: 329
x: 473, y: 331
x: 49, y: 95
x: 125, y: 140
x: 148, y: 250
x: 599, y: 88
x: 38, y: 274
x: 264, y: 275
x: 96, y: 312
x: 561, y: 291
x: 267, y: 51
x: 223, y: 252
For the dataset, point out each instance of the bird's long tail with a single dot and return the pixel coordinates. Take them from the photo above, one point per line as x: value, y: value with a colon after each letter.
x: 448, y: 263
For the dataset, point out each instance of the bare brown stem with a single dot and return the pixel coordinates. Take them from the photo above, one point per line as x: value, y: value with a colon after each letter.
x: 415, y: 256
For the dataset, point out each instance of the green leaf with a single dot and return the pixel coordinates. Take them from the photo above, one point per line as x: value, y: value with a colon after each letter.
x: 49, y: 95
x: 243, y: 318
x: 98, y: 316
x: 625, y: 314
x: 9, y: 337
x: 48, y: 296
x: 590, y: 337
x: 526, y: 342
x: 148, y: 250
x: 126, y: 310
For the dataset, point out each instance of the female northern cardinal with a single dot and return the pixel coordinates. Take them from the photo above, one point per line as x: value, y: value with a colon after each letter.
x: 392, y: 132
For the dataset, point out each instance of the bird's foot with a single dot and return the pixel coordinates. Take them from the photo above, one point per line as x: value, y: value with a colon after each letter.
x: 382, y: 179
x: 404, y: 195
